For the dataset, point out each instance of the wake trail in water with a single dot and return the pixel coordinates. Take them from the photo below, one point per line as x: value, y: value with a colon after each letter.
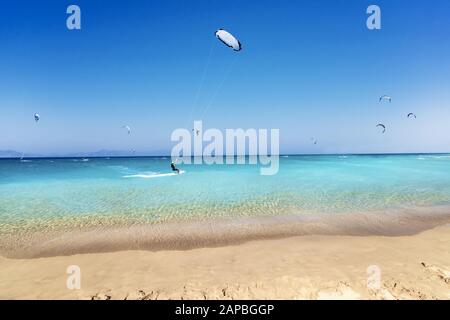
x: 153, y: 175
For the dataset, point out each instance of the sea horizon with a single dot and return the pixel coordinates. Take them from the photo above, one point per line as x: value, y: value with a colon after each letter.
x: 236, y: 155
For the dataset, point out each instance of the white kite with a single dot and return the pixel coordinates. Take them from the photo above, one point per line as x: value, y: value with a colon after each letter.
x: 128, y: 128
x: 382, y: 126
x: 387, y: 98
x: 37, y: 117
x: 228, y: 39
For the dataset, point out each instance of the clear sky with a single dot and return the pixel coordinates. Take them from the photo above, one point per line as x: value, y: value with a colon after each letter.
x: 309, y: 68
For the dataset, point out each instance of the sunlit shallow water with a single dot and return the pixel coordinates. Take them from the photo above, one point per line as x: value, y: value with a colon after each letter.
x: 43, y: 194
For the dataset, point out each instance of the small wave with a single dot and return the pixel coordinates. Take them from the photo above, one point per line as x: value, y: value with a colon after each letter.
x: 120, y: 168
x: 433, y: 157
x: 146, y: 175
x: 26, y: 160
x: 82, y: 160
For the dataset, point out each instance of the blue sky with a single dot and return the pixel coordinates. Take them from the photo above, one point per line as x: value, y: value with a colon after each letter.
x: 309, y: 68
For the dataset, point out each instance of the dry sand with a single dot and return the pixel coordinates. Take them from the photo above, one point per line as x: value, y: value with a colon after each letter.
x: 301, y: 267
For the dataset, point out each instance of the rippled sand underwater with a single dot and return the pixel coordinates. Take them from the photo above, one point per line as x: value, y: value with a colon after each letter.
x: 47, y: 194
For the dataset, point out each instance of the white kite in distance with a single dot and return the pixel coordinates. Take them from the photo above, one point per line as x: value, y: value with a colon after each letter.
x: 127, y: 128
x: 228, y: 39
x: 37, y: 117
x: 382, y: 126
x: 386, y: 98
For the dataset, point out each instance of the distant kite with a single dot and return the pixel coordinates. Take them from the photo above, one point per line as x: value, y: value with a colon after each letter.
x: 314, y: 140
x: 382, y: 126
x: 387, y: 98
x: 410, y: 115
x: 228, y: 39
x: 37, y: 117
x: 128, y: 129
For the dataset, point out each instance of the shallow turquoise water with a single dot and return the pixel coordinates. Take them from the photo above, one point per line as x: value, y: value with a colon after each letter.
x: 100, y: 191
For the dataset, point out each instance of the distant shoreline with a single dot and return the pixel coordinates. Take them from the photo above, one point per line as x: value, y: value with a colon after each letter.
x: 281, y: 155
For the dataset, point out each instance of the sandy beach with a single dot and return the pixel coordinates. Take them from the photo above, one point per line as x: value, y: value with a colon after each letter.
x: 301, y: 267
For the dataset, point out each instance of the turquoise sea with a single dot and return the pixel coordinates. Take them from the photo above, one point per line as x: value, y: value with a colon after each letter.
x: 49, y: 193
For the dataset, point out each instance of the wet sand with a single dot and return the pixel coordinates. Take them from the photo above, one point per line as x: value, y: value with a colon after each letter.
x: 185, y: 235
x: 301, y: 267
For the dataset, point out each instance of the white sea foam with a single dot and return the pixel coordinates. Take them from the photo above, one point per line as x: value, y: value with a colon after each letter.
x: 430, y: 157
x: 82, y: 160
x: 148, y: 175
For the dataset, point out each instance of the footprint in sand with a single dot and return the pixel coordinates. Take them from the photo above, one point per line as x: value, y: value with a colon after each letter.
x: 101, y: 296
x: 406, y: 291
x: 441, y: 273
x: 139, y: 295
x: 142, y: 295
